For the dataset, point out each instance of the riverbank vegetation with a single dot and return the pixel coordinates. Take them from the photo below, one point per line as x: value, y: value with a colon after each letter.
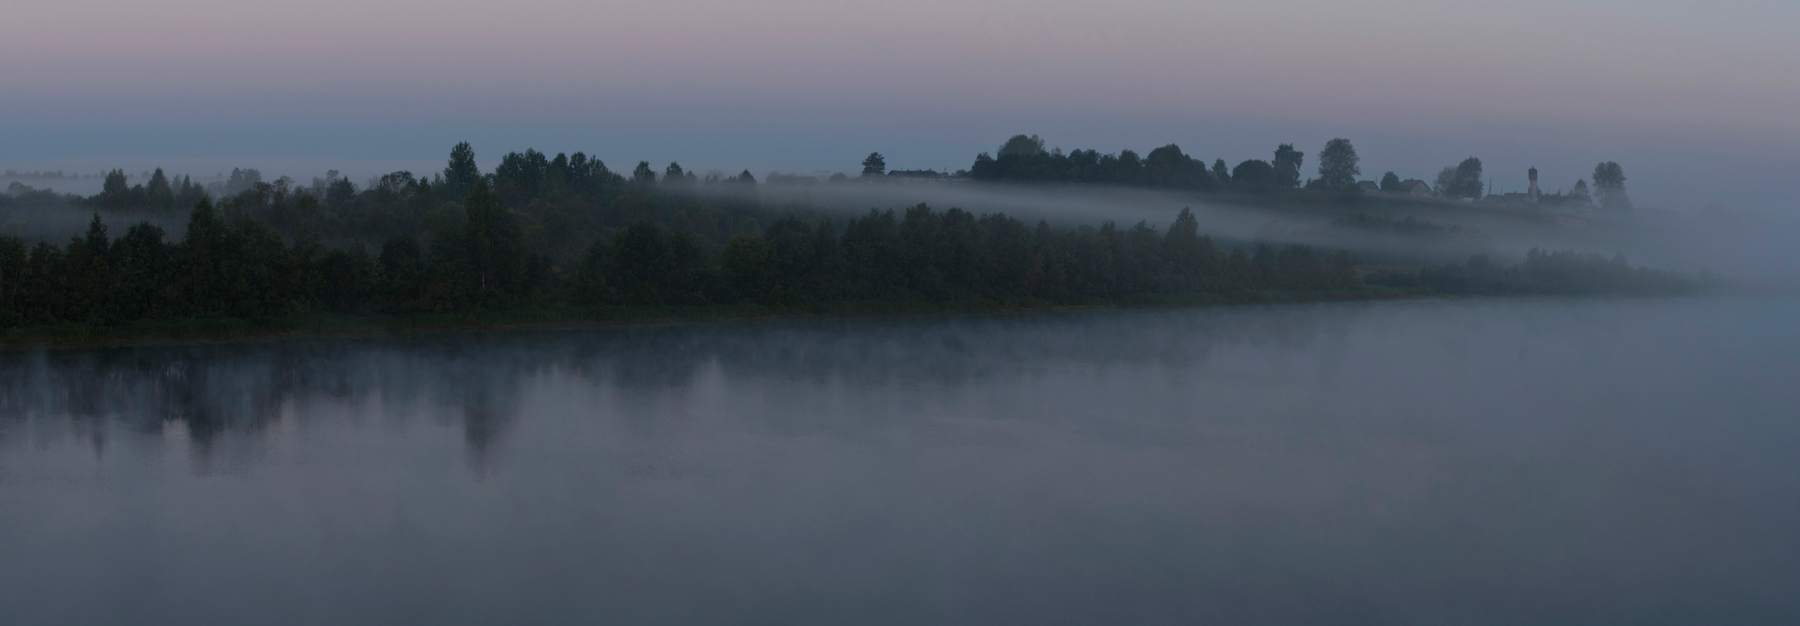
x: 545, y: 239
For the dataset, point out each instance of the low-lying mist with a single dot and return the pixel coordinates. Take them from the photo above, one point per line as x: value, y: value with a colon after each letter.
x: 1749, y: 246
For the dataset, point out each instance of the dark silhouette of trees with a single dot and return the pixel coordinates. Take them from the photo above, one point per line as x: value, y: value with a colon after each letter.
x: 1287, y: 164
x: 1254, y: 173
x: 242, y: 180
x: 1023, y: 158
x: 643, y: 175
x: 116, y: 192
x: 158, y: 192
x: 651, y: 265
x: 1022, y: 146
x: 188, y: 194
x: 113, y: 191
x: 401, y: 275
x: 749, y: 260
x: 874, y: 165
x: 1462, y: 181
x: 492, y: 250
x: 676, y: 178
x: 1390, y: 183
x: 462, y: 172
x: 564, y: 231
x: 1609, y: 176
x: 14, y: 258
x: 1168, y: 167
x: 1338, y: 166
x: 1579, y: 195
x: 1609, y: 186
x: 521, y: 178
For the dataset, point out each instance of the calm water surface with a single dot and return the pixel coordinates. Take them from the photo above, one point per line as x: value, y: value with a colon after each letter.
x: 1481, y: 462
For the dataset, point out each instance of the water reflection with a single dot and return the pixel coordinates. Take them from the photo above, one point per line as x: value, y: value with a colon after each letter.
x: 209, y: 389
x: 1517, y: 461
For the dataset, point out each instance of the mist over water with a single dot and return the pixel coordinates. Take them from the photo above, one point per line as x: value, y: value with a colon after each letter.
x: 1520, y: 461
x: 1418, y: 456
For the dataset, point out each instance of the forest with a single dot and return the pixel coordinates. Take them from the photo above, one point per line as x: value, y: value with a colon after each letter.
x: 566, y: 234
x: 1024, y: 159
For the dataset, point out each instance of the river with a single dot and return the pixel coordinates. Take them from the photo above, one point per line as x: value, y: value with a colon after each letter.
x: 1423, y: 462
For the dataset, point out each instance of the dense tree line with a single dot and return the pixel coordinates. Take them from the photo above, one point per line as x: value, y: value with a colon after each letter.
x: 161, y: 192
x: 21, y: 195
x: 549, y: 190
x: 1023, y: 158
x: 566, y: 231
x: 556, y: 203
x: 228, y: 263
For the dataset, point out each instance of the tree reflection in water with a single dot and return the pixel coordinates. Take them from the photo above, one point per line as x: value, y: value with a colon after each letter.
x: 219, y: 390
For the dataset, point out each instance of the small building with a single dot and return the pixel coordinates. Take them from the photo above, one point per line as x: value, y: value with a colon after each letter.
x: 1415, y: 187
x: 1369, y: 186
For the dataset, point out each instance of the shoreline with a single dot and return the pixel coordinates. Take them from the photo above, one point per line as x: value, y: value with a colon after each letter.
x: 212, y: 330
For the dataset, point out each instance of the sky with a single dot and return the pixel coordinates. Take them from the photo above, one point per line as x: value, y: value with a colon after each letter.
x: 1698, y: 103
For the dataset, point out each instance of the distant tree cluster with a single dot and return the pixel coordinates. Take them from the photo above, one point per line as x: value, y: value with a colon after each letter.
x: 566, y: 231
x: 1024, y: 159
x: 1338, y: 167
x: 22, y: 195
x: 159, y: 193
x: 1609, y: 186
x: 557, y: 203
x: 229, y: 264
x: 1462, y: 181
x: 567, y: 183
x: 874, y: 165
x: 923, y: 254
x: 1390, y: 183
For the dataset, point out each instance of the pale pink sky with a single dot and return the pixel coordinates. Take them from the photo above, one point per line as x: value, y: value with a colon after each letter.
x: 1696, y: 102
